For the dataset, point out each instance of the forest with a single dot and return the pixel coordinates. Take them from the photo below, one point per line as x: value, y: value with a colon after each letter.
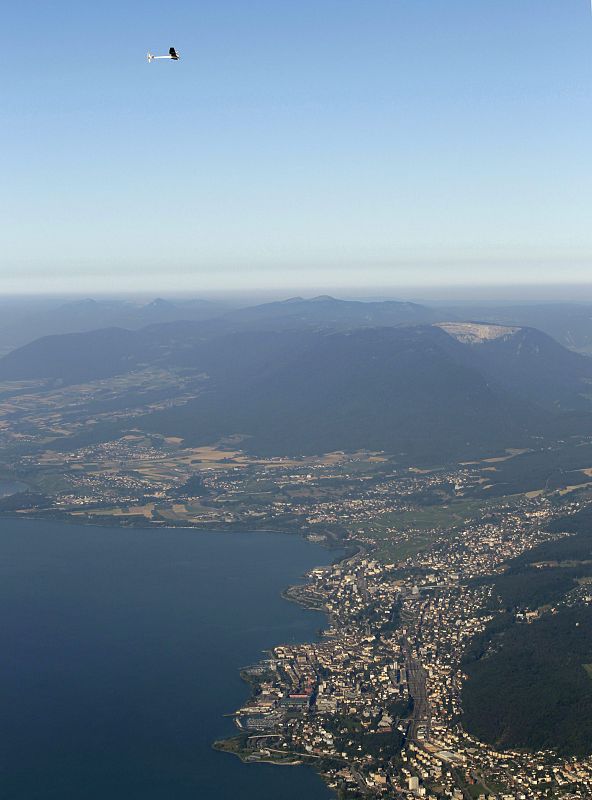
x: 530, y: 685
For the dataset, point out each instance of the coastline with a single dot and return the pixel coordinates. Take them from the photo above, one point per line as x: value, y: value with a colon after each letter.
x: 232, y: 746
x: 141, y: 523
x: 238, y: 745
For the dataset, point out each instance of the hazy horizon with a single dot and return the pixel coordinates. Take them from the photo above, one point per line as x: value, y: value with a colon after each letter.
x: 502, y: 294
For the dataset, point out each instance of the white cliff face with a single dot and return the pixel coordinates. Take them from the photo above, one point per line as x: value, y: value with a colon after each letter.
x: 476, y: 332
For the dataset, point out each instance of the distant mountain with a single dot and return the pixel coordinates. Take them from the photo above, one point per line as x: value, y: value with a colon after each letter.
x: 26, y: 323
x: 328, y: 313
x: 20, y: 325
x: 405, y: 390
x: 431, y: 392
x: 527, y: 362
x: 77, y: 357
x: 164, y: 327
x: 24, y: 320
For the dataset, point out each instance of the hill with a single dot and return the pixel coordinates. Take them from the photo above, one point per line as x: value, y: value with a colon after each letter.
x: 329, y: 314
x: 430, y: 392
x: 528, y: 362
x: 404, y: 390
x: 26, y: 322
x: 546, y: 700
x: 532, y: 690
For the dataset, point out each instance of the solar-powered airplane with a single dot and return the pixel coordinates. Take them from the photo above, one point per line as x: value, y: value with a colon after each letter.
x: 172, y: 54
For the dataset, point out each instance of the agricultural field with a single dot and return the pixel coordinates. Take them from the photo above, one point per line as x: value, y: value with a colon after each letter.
x: 401, y: 534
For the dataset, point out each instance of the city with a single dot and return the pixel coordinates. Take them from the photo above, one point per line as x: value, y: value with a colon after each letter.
x: 376, y: 703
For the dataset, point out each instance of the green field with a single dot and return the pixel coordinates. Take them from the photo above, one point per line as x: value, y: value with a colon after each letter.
x: 399, y: 535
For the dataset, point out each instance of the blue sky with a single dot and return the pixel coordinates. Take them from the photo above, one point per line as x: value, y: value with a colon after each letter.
x: 334, y: 143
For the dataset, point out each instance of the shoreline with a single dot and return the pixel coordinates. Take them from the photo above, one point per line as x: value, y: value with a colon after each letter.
x: 237, y: 745
x: 222, y: 746
x: 50, y: 515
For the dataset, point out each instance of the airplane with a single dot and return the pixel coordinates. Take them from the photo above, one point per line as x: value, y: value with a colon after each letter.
x: 172, y: 54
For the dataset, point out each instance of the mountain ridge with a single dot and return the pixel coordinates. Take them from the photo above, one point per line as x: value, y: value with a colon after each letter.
x: 413, y: 390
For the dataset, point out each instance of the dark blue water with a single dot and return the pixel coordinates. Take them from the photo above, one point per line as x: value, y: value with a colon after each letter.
x: 119, y: 652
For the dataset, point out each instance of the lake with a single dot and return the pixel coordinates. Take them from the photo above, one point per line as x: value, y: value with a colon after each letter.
x: 119, y: 656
